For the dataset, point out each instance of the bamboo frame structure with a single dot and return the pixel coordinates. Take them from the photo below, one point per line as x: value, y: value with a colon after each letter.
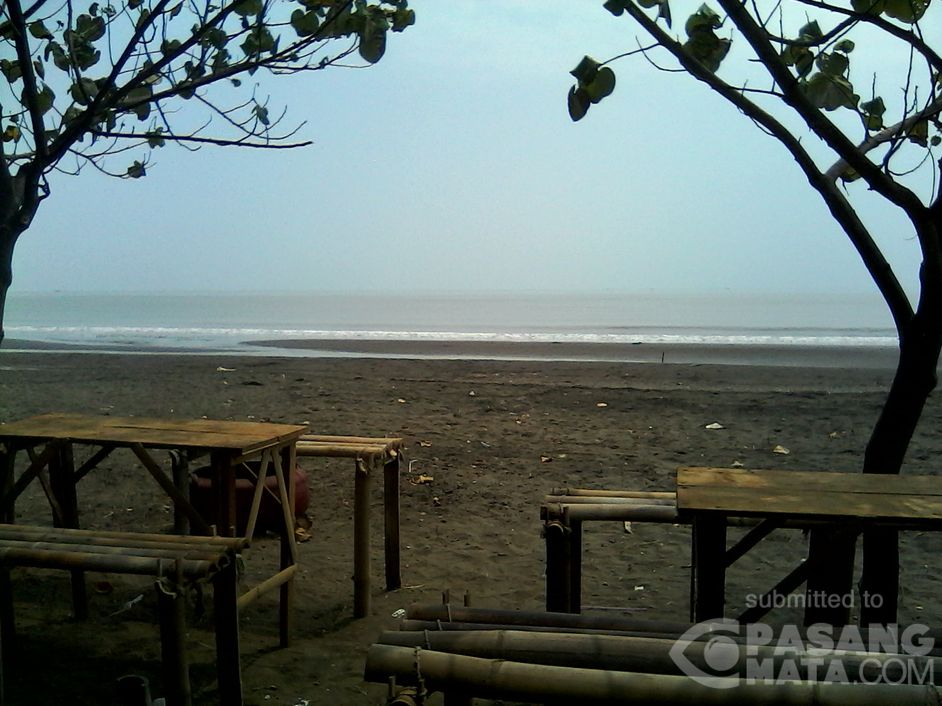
x: 367, y: 453
x: 173, y: 560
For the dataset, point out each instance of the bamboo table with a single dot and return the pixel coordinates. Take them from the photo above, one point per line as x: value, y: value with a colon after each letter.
x: 367, y: 453
x: 49, y: 438
x: 843, y: 503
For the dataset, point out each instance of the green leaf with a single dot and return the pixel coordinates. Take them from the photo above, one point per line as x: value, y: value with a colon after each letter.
x: 11, y: 70
x: 39, y: 68
x: 802, y: 58
x: 402, y: 18
x: 834, y: 64
x: 90, y: 29
x: 845, y: 45
x: 703, y: 19
x: 44, y: 99
x: 707, y: 48
x: 59, y: 57
x: 305, y: 23
x: 11, y: 133
x: 261, y: 112
x: 873, y: 113
x: 586, y: 70
x: 908, y: 11
x: 246, y: 8
x: 373, y: 38
x: 155, y: 139
x: 616, y: 7
x: 83, y: 91
x: 810, y: 32
x: 136, y: 170
x: 919, y: 133
x: 829, y: 92
x: 578, y: 103
x: 39, y: 31
x: 134, y: 4
x: 602, y: 85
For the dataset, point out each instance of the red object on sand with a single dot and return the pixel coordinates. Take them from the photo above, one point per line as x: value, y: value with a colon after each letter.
x: 269, y: 513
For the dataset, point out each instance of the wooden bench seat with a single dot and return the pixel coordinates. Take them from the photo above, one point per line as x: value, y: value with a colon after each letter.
x: 174, y: 561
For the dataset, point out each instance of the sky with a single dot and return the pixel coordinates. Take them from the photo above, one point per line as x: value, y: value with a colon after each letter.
x: 452, y: 165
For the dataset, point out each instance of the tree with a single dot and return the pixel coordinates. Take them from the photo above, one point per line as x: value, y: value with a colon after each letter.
x: 787, y: 67
x: 89, y: 85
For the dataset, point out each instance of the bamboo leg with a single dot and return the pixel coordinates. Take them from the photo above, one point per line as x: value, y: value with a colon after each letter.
x: 361, y: 540
x: 223, y: 475
x: 391, y: 518
x: 829, y: 589
x: 289, y: 549
x: 709, y: 546
x: 171, y: 606
x: 575, y: 566
x: 181, y: 479
x: 62, y: 480
x: 226, y: 616
x: 558, y: 582
x: 7, y: 462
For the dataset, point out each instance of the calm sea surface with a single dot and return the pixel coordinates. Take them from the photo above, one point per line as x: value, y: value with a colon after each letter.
x: 227, y: 321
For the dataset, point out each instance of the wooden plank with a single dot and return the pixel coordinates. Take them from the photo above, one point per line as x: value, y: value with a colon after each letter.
x: 822, y: 495
x: 812, y: 481
x: 244, y: 437
x: 392, y: 441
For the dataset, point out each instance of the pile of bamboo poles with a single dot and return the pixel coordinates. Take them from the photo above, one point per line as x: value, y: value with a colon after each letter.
x: 367, y: 453
x: 563, y: 658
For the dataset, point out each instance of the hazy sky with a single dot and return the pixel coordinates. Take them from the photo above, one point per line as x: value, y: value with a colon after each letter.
x: 453, y: 165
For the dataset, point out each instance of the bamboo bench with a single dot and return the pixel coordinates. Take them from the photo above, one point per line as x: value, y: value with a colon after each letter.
x: 368, y: 453
x: 174, y: 561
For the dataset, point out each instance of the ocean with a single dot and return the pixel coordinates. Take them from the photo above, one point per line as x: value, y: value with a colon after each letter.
x: 199, y: 322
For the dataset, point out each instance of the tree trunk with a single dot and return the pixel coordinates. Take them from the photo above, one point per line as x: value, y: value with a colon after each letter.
x: 915, y: 379
x: 6, y: 276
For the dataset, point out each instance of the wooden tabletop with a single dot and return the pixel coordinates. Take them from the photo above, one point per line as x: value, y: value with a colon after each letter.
x: 241, y: 437
x: 810, y: 494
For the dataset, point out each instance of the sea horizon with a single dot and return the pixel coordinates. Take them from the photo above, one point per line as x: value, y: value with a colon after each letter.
x: 602, y: 325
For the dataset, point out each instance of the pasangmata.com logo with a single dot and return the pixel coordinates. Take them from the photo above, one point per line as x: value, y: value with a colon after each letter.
x: 724, y: 653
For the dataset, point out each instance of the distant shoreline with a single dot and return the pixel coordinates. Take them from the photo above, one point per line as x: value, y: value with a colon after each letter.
x: 863, y: 357
x: 870, y: 357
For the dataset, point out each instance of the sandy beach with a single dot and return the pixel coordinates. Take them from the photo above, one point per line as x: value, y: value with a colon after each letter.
x: 495, y: 436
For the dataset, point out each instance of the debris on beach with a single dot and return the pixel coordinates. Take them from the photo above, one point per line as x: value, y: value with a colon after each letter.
x: 628, y: 527
x: 221, y: 369
x: 425, y: 444
x: 714, y: 425
x: 546, y: 459
x: 421, y: 479
x: 737, y: 464
x: 601, y: 404
x: 472, y: 393
x: 401, y: 401
x: 781, y: 450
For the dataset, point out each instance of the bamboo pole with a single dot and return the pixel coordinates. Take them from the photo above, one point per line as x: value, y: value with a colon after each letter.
x: 614, y: 511
x: 608, y: 500
x: 394, y: 442
x: 453, y: 613
x: 226, y: 617
x: 85, y: 561
x: 257, y: 494
x: 167, y: 552
x: 588, y: 492
x: 70, y: 535
x: 652, y: 655
x: 171, y: 610
x: 391, y: 520
x: 170, y: 489
x: 361, y: 541
x: 269, y: 584
x: 514, y: 681
x: 341, y: 450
